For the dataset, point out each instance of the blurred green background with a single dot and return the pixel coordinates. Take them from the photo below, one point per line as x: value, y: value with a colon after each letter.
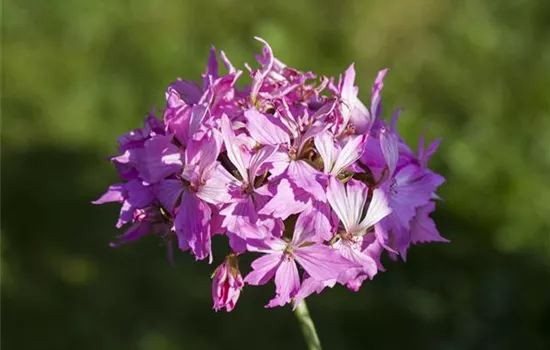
x: 77, y: 74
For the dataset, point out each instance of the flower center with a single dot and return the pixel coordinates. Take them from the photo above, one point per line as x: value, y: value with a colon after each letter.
x: 289, y: 251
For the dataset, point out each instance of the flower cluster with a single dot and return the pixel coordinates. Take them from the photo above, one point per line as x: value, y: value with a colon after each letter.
x: 293, y: 167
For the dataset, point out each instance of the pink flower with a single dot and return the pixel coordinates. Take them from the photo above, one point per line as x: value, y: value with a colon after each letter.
x: 192, y: 193
x: 321, y: 262
x: 293, y: 166
x: 349, y: 204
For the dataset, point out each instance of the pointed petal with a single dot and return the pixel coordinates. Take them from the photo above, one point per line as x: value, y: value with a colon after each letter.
x: 423, y: 228
x: 168, y: 193
x: 212, y: 67
x: 349, y: 154
x: 210, y: 150
x: 138, y: 194
x: 159, y: 159
x: 304, y: 229
x: 227, y: 63
x: 287, y: 282
x: 376, y: 88
x: 348, y: 90
x: 216, y: 187
x: 324, y: 143
x: 424, y: 156
x: 337, y: 198
x: 261, y: 240
x: 126, y: 214
x: 238, y: 212
x: 356, y: 196
x: 263, y: 269
x: 135, y: 232
x: 348, y: 94
x: 192, y: 223
x: 318, y: 125
x: 372, y: 247
x: 413, y: 187
x: 400, y: 240
x: 353, y: 253
x: 360, y: 117
x: 381, y: 233
x: 378, y: 209
x: 310, y: 286
x: 325, y: 221
x: 234, y: 151
x: 266, y: 130
x: 258, y: 159
x: 286, y: 201
x: 279, y: 163
x: 372, y: 155
x: 322, y: 262
x: 304, y: 176
x: 390, y: 148
x: 189, y: 91
x: 267, y: 60
x: 395, y: 118
x: 114, y: 194
x: 198, y: 114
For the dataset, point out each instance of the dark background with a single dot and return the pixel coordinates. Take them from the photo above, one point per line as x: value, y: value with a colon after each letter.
x: 77, y: 74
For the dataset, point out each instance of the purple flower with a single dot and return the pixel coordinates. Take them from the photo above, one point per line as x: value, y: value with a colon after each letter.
x: 321, y: 262
x: 349, y: 204
x: 293, y: 166
x: 191, y: 194
x: 138, y: 209
x: 227, y: 284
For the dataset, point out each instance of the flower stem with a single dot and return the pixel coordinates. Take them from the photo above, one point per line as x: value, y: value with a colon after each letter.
x: 307, y: 326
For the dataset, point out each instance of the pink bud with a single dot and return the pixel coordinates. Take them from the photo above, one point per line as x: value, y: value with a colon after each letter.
x: 227, y: 283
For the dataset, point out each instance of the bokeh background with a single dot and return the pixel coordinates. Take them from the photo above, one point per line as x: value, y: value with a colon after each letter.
x: 77, y: 74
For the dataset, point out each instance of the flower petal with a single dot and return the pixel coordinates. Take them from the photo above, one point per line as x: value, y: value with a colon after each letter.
x: 413, y: 187
x: 159, y: 159
x: 310, y: 286
x: 258, y: 159
x: 266, y: 130
x: 390, y: 148
x: 324, y: 143
x: 227, y: 63
x: 304, y: 176
x: 189, y: 91
x: 349, y: 154
x: 378, y: 209
x: 192, y: 223
x: 423, y: 227
x: 263, y: 269
x: 356, y: 196
x: 114, y: 194
x: 168, y: 193
x: 325, y: 221
x: 322, y: 262
x: 353, y: 253
x: 287, y: 282
x: 337, y: 197
x: 198, y: 114
x: 234, y: 151
x: 304, y: 229
x: 376, y: 88
x: 287, y: 200
x: 215, y: 189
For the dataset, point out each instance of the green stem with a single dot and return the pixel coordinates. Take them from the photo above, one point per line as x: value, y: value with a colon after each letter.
x: 307, y: 326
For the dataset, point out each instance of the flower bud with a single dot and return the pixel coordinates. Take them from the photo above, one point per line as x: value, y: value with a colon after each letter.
x: 227, y: 283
